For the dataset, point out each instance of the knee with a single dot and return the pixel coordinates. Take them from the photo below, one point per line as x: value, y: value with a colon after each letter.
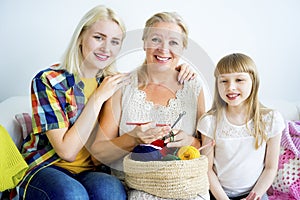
x: 111, y: 188
x: 58, y: 192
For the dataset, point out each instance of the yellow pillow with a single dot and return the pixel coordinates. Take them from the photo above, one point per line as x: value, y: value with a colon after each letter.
x: 12, y: 164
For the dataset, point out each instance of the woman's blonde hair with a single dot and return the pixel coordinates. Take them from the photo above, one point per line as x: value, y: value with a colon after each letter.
x: 170, y: 17
x: 240, y: 63
x: 73, y: 55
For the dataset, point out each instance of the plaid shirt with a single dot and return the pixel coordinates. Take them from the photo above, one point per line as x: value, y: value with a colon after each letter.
x: 57, y: 101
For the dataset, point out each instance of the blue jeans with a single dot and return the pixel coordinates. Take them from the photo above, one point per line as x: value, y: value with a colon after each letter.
x: 57, y: 183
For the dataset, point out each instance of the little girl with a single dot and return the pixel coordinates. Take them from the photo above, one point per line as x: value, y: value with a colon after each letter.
x: 243, y: 163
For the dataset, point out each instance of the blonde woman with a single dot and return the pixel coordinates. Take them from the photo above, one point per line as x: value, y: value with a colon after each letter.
x: 154, y: 95
x: 243, y: 163
x: 66, y: 100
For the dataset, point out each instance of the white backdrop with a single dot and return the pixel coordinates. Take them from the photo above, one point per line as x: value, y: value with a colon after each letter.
x: 34, y: 35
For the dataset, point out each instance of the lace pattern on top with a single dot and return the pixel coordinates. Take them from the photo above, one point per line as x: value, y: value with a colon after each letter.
x: 229, y: 130
x: 137, y: 109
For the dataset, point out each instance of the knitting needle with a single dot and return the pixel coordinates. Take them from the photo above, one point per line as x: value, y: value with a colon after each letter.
x: 179, y: 117
x: 143, y: 123
x: 177, y: 120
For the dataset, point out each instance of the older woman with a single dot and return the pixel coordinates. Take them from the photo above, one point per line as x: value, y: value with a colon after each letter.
x: 154, y: 95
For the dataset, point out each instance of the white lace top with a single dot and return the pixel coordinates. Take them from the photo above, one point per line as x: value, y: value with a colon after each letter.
x: 135, y: 108
x: 237, y: 164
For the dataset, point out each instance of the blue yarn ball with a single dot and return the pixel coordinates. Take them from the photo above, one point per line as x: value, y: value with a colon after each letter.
x: 145, y: 153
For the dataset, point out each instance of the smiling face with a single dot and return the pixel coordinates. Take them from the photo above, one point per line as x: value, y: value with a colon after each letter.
x: 234, y: 88
x: 163, y: 45
x: 100, y: 43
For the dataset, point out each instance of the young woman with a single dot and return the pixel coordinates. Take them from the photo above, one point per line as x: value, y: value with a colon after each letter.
x: 243, y: 163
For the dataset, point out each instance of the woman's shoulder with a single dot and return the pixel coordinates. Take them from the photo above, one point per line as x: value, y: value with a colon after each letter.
x: 54, y: 75
x: 51, y: 72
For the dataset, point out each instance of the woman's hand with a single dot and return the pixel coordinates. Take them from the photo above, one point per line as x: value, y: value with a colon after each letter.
x: 179, y: 139
x: 146, y: 134
x: 185, y: 73
x: 111, y: 84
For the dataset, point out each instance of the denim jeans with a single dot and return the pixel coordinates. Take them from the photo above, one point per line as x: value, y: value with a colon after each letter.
x: 57, y: 183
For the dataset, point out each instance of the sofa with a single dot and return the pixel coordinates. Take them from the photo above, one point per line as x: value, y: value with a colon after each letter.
x: 12, y: 106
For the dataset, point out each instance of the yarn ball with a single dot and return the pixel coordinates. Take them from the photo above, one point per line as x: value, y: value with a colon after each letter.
x: 159, y: 143
x: 168, y: 150
x: 145, y: 153
x: 188, y: 153
x: 170, y: 157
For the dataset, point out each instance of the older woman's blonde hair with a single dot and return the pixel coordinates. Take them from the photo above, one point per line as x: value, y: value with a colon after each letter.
x: 73, y: 57
x: 239, y: 63
x: 170, y: 17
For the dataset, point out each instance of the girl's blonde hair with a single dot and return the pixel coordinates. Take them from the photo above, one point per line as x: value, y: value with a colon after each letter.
x: 73, y: 55
x: 170, y: 17
x: 237, y: 63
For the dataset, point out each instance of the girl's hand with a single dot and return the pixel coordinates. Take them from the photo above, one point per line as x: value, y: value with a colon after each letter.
x: 185, y: 73
x: 111, y: 84
x: 146, y: 134
x: 179, y: 139
x: 252, y: 196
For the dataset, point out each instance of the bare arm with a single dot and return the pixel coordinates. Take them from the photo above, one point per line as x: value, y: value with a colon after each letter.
x: 68, y: 142
x: 108, y: 145
x: 201, y: 104
x: 271, y: 165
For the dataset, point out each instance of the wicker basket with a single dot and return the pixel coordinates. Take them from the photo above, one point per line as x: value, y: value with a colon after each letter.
x: 168, y: 179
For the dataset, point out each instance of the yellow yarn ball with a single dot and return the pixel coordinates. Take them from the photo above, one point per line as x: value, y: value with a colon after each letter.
x: 188, y: 153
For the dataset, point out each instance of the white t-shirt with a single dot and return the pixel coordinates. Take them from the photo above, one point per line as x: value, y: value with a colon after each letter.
x: 237, y: 163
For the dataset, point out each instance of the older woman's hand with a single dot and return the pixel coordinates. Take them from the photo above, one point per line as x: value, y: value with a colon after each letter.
x: 146, y: 134
x: 179, y: 139
x: 185, y: 73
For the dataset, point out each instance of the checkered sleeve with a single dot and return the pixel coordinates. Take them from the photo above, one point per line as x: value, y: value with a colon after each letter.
x: 47, y: 111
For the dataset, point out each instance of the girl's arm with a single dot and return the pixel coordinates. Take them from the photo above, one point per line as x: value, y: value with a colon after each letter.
x: 271, y: 165
x: 214, y: 184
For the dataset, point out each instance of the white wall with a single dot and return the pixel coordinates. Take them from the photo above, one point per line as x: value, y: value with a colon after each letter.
x: 34, y: 34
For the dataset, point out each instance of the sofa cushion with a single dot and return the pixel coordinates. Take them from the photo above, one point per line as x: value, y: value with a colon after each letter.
x: 13, y: 166
x: 24, y: 120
